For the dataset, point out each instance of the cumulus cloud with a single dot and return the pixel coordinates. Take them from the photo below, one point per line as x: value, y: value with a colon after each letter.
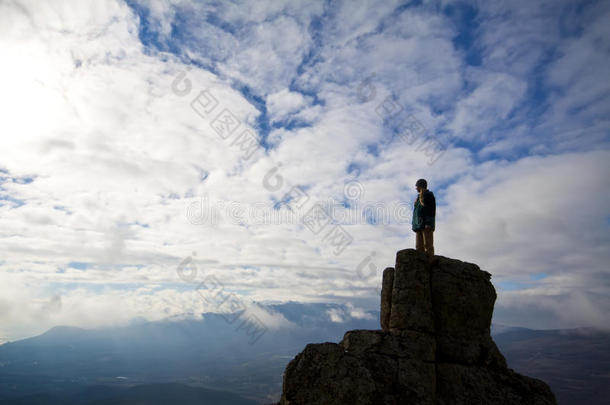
x: 493, y: 98
x: 110, y: 143
x: 285, y: 102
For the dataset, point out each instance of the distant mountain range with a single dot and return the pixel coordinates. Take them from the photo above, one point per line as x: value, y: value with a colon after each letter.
x: 114, y: 365
x: 210, y: 352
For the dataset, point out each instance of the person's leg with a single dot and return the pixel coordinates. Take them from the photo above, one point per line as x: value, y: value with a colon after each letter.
x: 419, y: 241
x: 429, y: 242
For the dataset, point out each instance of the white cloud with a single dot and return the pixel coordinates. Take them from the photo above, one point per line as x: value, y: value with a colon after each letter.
x: 494, y: 97
x: 269, y: 54
x: 285, y: 102
x: 537, y: 215
x: 116, y: 157
x: 335, y: 315
x: 578, y: 116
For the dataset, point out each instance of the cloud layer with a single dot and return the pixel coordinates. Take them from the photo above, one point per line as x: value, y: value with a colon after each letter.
x: 110, y: 139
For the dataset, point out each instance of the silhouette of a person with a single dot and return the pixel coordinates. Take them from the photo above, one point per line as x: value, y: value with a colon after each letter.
x: 423, y: 223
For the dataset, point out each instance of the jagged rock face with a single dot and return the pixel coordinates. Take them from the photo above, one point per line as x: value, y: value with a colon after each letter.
x: 452, y: 300
x: 434, y: 347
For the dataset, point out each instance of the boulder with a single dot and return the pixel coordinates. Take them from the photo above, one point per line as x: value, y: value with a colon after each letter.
x: 434, y: 346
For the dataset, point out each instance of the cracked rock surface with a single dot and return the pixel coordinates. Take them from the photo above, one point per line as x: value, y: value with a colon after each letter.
x: 434, y: 346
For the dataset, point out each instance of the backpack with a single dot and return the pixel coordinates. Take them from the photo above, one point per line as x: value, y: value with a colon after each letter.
x: 429, y: 203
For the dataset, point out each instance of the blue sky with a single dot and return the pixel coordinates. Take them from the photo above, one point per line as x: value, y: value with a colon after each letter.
x: 115, y: 165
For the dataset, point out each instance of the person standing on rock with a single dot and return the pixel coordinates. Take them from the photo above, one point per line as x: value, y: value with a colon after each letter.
x: 424, y: 214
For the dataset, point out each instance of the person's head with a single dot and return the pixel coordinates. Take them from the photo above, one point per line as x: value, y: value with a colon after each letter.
x: 421, y: 184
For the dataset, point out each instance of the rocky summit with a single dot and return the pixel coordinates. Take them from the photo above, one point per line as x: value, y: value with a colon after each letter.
x: 434, y: 346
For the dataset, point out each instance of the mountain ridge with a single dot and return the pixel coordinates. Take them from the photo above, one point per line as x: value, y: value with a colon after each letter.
x: 434, y: 346
x: 257, y: 371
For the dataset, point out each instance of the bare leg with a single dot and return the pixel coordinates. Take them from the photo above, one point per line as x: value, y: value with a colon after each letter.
x: 428, y: 235
x: 419, y: 241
